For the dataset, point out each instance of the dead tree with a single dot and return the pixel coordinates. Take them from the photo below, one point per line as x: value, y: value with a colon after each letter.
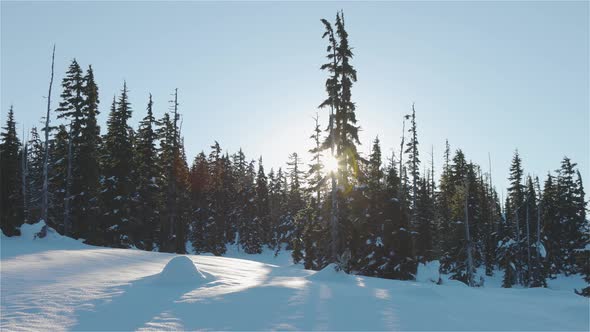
x: 24, y: 174
x: 45, y: 191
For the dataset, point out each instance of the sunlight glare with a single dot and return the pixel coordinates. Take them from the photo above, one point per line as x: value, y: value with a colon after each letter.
x: 330, y: 164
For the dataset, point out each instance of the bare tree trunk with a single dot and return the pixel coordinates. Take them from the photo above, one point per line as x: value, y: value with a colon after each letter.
x: 24, y: 174
x: 172, y: 178
x: 468, y: 237
x: 45, y: 191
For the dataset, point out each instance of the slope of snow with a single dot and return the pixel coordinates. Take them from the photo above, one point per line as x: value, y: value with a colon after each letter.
x: 58, y: 284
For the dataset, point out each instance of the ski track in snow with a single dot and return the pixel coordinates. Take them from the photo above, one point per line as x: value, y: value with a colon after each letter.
x: 59, y: 284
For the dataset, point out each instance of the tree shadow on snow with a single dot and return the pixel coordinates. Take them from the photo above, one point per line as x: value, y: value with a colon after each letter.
x: 138, y: 304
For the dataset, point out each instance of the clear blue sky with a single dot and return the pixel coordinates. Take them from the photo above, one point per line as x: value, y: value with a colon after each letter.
x: 489, y: 76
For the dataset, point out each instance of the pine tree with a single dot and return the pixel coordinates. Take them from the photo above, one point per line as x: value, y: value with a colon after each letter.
x: 217, y: 201
x: 315, y: 177
x: 372, y: 255
x: 294, y: 203
x: 539, y: 271
x: 72, y: 104
x: 57, y: 173
x: 397, y: 245
x: 413, y: 164
x: 35, y: 159
x: 345, y: 117
x: 117, y: 164
x: 11, y: 201
x: 551, y: 226
x: 571, y: 204
x: 199, y: 179
x: 443, y: 211
x: 251, y: 230
x: 87, y: 174
x: 424, y: 222
x: 342, y: 129
x: 512, y: 242
x: 148, y: 172
x: 262, y: 205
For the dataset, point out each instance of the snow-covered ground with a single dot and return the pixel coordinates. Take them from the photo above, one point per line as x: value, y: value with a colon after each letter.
x: 57, y: 283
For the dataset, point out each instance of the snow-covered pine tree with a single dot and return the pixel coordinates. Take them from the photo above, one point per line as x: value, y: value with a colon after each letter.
x: 571, y: 212
x: 413, y: 166
x: 294, y: 203
x: 251, y: 230
x: 11, y: 201
x: 117, y: 186
x: 424, y: 222
x: 262, y: 205
x: 148, y: 173
x: 35, y: 159
x: 397, y: 245
x: 512, y: 244
x: 57, y: 174
x: 71, y: 109
x: 372, y: 254
x: 199, y: 179
x: 87, y: 172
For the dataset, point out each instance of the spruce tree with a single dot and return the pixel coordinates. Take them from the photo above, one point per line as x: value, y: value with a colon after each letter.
x: 11, y: 201
x: 571, y: 214
x: 513, y: 243
x: 57, y: 172
x: 251, y: 230
x: 117, y: 163
x: 199, y: 179
x: 413, y: 164
x: 262, y: 205
x: 88, y: 172
x: 35, y: 159
x: 148, y: 172
x: 424, y: 222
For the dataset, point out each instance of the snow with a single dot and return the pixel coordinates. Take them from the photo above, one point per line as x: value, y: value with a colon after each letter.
x: 330, y: 273
x: 58, y: 284
x: 181, y: 270
x: 428, y: 272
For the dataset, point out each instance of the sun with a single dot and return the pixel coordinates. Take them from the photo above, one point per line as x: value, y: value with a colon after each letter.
x: 330, y: 164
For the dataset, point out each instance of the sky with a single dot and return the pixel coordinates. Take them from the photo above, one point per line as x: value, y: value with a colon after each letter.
x: 491, y: 77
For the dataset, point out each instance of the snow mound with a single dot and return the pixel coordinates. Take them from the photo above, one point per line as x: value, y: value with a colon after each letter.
x: 329, y: 273
x: 428, y: 272
x: 181, y: 270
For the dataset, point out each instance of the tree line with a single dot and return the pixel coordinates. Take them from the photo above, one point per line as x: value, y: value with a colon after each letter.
x: 373, y: 215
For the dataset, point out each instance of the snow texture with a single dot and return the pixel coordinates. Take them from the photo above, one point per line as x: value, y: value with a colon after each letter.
x: 60, y: 284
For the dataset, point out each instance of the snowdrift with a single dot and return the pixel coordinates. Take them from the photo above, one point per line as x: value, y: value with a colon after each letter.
x: 329, y: 273
x: 181, y: 270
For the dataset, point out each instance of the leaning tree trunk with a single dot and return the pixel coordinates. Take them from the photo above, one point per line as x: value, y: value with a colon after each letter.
x: 45, y: 191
